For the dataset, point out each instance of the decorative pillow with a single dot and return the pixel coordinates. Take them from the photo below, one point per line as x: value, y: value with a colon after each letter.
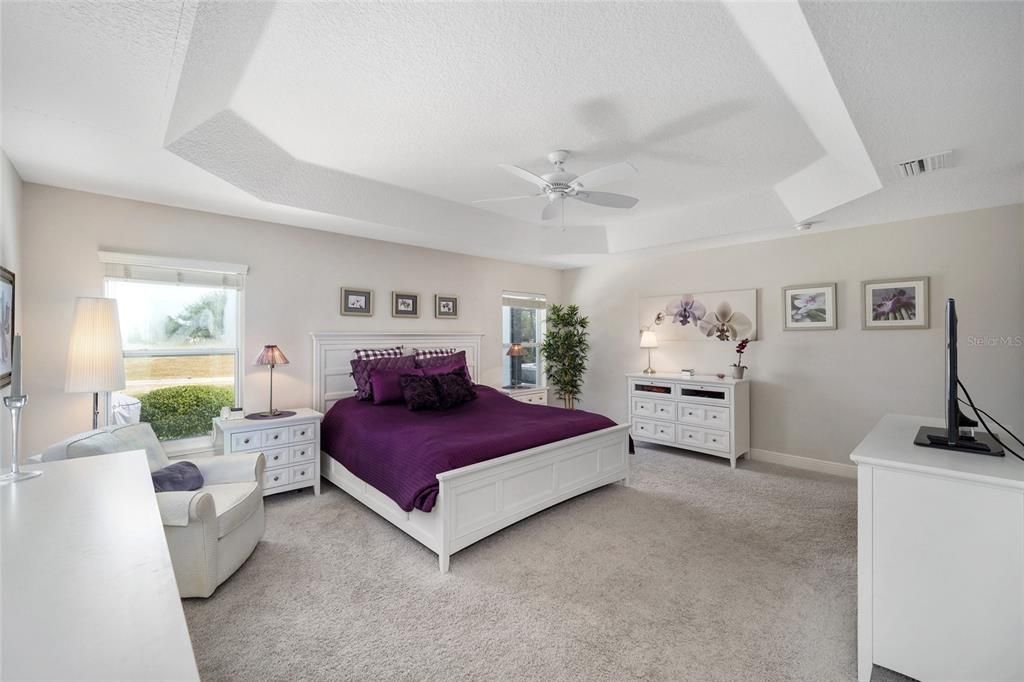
x: 178, y: 476
x: 419, y: 392
x: 386, y: 385
x: 454, y: 389
x: 445, y: 364
x: 361, y: 372
x: 434, y: 352
x: 373, y: 353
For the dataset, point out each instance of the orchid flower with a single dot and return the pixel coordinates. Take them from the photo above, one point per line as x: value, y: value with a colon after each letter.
x: 686, y: 310
x: 725, y: 324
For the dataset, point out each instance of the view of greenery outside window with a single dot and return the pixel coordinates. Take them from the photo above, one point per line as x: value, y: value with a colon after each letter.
x: 523, y: 317
x: 180, y: 354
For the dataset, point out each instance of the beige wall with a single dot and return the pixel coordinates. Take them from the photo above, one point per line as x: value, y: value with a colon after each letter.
x: 10, y: 250
x: 816, y: 394
x: 293, y: 289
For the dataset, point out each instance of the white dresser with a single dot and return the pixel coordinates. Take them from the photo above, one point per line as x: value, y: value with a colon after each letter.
x: 290, y: 444
x: 701, y: 413
x: 940, y: 558
x: 533, y: 395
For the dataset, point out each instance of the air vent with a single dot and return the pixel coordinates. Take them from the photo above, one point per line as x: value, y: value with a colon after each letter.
x: 927, y: 164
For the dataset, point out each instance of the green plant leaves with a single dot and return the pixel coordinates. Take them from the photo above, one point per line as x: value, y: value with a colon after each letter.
x: 566, y: 347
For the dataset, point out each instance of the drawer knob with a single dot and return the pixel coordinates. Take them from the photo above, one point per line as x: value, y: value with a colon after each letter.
x: 246, y: 440
x: 275, y: 436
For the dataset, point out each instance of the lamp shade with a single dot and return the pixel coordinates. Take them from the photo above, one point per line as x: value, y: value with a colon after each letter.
x: 648, y: 339
x: 271, y: 355
x: 515, y: 350
x: 95, y: 358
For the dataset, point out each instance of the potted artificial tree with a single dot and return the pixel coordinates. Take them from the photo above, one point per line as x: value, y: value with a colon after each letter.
x: 565, y: 351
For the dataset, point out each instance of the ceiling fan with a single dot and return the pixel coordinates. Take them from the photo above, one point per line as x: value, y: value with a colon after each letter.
x: 560, y: 185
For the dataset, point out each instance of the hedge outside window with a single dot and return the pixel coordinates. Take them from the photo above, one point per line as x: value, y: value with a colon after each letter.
x: 180, y: 354
x: 523, y: 318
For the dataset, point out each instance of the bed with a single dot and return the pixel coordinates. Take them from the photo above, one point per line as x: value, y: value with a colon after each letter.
x: 482, y: 496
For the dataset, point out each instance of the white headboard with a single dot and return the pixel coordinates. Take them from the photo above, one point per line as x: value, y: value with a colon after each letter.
x: 332, y: 353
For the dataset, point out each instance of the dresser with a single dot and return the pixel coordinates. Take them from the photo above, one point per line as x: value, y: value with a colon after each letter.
x: 291, y: 446
x: 700, y: 413
x: 533, y: 395
x: 940, y: 558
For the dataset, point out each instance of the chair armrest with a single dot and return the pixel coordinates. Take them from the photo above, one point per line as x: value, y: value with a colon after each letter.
x: 182, y: 507
x: 245, y: 466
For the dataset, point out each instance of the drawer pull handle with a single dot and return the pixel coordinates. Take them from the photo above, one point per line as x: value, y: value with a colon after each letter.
x: 276, y: 436
x: 246, y: 440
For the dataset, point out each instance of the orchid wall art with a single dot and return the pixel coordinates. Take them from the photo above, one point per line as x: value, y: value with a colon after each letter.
x: 895, y: 303
x: 711, y: 316
x: 807, y: 307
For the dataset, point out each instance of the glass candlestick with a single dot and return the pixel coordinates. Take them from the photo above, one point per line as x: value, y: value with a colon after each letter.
x: 14, y: 403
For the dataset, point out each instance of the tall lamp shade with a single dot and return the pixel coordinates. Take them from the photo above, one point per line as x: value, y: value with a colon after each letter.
x: 516, y: 352
x: 95, y: 356
x: 271, y: 356
x: 648, y: 340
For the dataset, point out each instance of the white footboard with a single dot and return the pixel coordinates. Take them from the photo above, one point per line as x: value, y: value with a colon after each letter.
x: 481, y: 499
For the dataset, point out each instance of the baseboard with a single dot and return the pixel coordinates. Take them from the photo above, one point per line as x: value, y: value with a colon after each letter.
x: 809, y: 463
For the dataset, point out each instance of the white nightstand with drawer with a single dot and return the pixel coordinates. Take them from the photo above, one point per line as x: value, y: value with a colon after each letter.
x: 291, y: 446
x: 700, y: 413
x: 534, y: 395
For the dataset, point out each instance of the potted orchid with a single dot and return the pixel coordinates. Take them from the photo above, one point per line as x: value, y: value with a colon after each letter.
x: 738, y: 367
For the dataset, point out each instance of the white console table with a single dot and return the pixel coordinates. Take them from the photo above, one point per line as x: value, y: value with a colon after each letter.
x: 86, y: 582
x: 940, y: 558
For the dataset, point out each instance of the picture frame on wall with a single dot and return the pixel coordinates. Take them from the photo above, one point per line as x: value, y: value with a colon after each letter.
x: 405, y: 304
x: 809, y: 307
x: 357, y: 301
x: 895, y: 303
x: 446, y: 306
x: 6, y: 325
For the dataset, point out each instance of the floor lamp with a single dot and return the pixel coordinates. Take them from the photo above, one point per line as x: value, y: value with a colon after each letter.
x: 95, y: 356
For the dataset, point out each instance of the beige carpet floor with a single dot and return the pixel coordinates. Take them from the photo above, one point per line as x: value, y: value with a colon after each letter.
x: 693, y: 572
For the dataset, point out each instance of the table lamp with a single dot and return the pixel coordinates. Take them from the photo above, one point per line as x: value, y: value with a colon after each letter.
x: 516, y: 352
x: 272, y: 356
x: 648, y: 340
x: 95, y: 357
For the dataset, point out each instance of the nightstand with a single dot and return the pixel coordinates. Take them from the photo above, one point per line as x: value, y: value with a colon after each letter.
x: 290, y: 444
x: 534, y: 395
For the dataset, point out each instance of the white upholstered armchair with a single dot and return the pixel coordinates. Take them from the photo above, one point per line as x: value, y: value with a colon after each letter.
x: 211, y: 531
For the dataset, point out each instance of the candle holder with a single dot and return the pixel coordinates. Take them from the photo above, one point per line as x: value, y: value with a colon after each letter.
x: 15, y: 403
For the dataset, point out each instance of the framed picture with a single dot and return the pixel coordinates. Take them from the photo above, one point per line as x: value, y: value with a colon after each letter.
x: 6, y: 325
x: 405, y: 304
x: 898, y: 303
x: 708, y: 316
x: 446, y: 306
x: 356, y: 301
x: 809, y: 307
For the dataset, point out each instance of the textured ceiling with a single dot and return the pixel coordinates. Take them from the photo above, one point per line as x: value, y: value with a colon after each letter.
x: 386, y: 120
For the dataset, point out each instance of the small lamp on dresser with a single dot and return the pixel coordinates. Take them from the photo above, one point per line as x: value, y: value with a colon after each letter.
x: 516, y: 352
x: 648, y: 340
x: 271, y: 356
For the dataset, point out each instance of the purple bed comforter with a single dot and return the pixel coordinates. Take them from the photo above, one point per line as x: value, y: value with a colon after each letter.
x: 400, y: 452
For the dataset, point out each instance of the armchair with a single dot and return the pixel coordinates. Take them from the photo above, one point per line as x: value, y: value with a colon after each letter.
x: 211, y: 531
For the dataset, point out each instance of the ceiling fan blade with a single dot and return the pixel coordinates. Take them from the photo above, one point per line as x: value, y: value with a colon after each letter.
x: 551, y: 210
x: 609, y: 199
x: 602, y: 176
x: 525, y: 175
x: 521, y: 196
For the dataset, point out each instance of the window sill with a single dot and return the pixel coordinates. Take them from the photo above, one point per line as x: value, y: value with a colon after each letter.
x: 189, y: 447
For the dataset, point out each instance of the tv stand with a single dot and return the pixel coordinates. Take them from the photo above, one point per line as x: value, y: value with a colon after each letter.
x: 979, y: 444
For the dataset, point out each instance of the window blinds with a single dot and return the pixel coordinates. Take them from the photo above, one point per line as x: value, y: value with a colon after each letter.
x: 128, y: 266
x: 517, y: 300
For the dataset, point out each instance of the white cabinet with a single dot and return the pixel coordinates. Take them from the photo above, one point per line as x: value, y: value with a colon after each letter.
x: 532, y: 395
x: 940, y: 558
x: 290, y: 445
x: 700, y: 413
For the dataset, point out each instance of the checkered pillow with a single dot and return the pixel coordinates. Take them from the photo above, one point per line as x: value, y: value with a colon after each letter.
x: 374, y: 353
x: 422, y: 353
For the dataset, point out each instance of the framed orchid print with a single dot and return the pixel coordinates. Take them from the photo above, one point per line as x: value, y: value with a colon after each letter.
x: 809, y: 307
x: 707, y: 316
x: 897, y: 303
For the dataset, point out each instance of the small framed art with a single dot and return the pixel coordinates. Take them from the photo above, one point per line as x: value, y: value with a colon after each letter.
x: 446, y: 306
x: 6, y: 325
x: 404, y: 304
x: 897, y: 303
x: 355, y: 301
x: 809, y: 307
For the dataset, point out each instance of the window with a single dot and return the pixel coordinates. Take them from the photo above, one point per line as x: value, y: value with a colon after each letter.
x: 523, y: 317
x: 180, y: 329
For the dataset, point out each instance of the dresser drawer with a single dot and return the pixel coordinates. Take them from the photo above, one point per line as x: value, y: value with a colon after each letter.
x: 704, y: 393
x: 301, y: 453
x: 653, y: 430
x: 689, y: 436
x: 276, y: 458
x: 659, y: 409
x: 703, y: 415
x: 274, y: 478
x: 302, y: 472
x: 274, y: 436
x: 535, y: 398
x: 246, y: 440
x: 302, y: 433
x: 651, y: 388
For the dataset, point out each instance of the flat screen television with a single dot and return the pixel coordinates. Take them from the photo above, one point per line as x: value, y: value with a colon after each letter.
x: 958, y: 434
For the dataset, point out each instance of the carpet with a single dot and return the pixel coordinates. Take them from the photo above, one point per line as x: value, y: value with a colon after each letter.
x: 693, y: 572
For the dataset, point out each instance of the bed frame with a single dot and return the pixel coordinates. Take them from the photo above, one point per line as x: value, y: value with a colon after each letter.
x: 477, y: 500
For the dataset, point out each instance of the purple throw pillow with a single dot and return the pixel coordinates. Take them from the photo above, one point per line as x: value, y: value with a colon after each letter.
x: 420, y: 392
x: 361, y: 372
x: 444, y: 365
x: 454, y: 389
x: 386, y: 385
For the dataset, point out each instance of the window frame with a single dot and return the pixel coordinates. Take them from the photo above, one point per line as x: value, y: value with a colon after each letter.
x: 541, y: 329
x: 197, y: 444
